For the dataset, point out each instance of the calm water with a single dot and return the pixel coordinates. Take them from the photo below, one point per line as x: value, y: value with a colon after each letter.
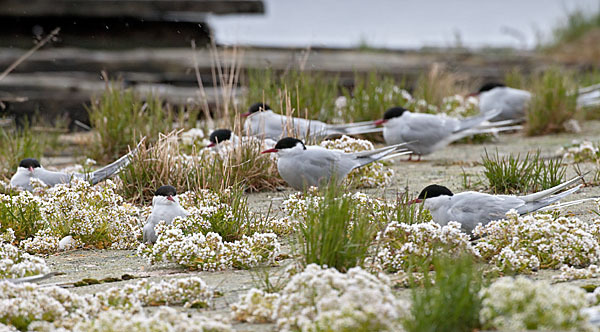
x: 397, y: 24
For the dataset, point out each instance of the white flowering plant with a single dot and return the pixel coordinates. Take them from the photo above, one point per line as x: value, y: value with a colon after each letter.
x: 28, y: 306
x: 516, y: 304
x: 93, y: 215
x: 323, y: 299
x: 14, y: 263
x: 373, y: 175
x: 538, y: 241
x: 402, y: 245
x: 580, y: 151
x: 163, y: 319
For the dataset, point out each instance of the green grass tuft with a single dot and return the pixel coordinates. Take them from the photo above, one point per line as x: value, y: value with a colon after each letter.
x: 516, y: 174
x: 336, y: 234
x: 554, y: 101
x: 451, y: 302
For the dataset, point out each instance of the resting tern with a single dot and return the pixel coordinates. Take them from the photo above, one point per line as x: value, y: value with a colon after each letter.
x: 430, y: 132
x: 470, y: 208
x: 303, y: 166
x: 30, y: 168
x: 511, y: 102
x: 222, y: 135
x: 165, y: 206
x: 263, y: 122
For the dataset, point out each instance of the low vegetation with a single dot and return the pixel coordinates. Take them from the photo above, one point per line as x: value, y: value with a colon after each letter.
x: 166, y: 162
x: 519, y: 174
x: 337, y: 233
x: 449, y: 299
x: 553, y: 102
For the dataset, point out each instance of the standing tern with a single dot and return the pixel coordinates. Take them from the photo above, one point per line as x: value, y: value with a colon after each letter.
x: 263, y: 122
x: 165, y: 206
x: 30, y: 168
x: 303, y: 166
x: 431, y: 132
x: 470, y: 208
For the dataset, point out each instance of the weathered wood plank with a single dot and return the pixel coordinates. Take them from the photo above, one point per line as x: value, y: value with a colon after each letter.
x: 147, y: 9
x: 177, y: 64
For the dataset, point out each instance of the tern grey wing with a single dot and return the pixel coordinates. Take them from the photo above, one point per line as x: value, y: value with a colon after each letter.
x: 536, y: 205
x: 544, y: 193
x: 52, y: 178
x: 427, y: 133
x: 471, y: 208
x: 474, y: 121
x: 312, y: 168
x: 113, y: 168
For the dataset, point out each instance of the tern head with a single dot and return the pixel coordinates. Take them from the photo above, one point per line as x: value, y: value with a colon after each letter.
x: 257, y: 107
x: 218, y: 136
x: 287, y: 144
x: 431, y: 191
x: 487, y: 87
x: 30, y: 164
x: 394, y: 112
x: 164, y: 195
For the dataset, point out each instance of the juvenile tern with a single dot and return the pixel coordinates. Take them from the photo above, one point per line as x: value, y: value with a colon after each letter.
x: 165, y: 206
x: 470, y: 208
x: 303, y: 166
x: 261, y: 121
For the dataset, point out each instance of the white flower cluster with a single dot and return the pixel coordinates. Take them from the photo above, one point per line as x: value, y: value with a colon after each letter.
x: 572, y: 273
x: 256, y: 306
x: 579, y: 152
x: 516, y: 304
x: 323, y: 299
x: 373, y: 175
x: 297, y: 204
x: 208, y: 252
x: 460, y: 107
x: 191, y: 136
x: 27, y: 305
x: 163, y: 319
x: 524, y: 243
x: 15, y: 263
x: 402, y: 244
x: 92, y: 215
x: 189, y: 292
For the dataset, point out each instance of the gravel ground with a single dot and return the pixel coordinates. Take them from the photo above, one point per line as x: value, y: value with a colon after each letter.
x: 444, y: 167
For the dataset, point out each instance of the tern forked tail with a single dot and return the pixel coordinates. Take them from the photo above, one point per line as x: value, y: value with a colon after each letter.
x: 113, y: 168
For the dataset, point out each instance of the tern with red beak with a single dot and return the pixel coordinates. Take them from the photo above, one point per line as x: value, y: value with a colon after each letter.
x: 30, y: 168
x: 471, y: 208
x: 165, y: 206
x: 430, y: 132
x: 304, y: 166
x: 261, y: 121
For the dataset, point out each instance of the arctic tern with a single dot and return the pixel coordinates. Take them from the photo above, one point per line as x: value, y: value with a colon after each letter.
x: 430, y: 132
x: 165, y: 206
x: 470, y: 208
x: 30, y: 168
x: 303, y: 166
x: 261, y: 121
